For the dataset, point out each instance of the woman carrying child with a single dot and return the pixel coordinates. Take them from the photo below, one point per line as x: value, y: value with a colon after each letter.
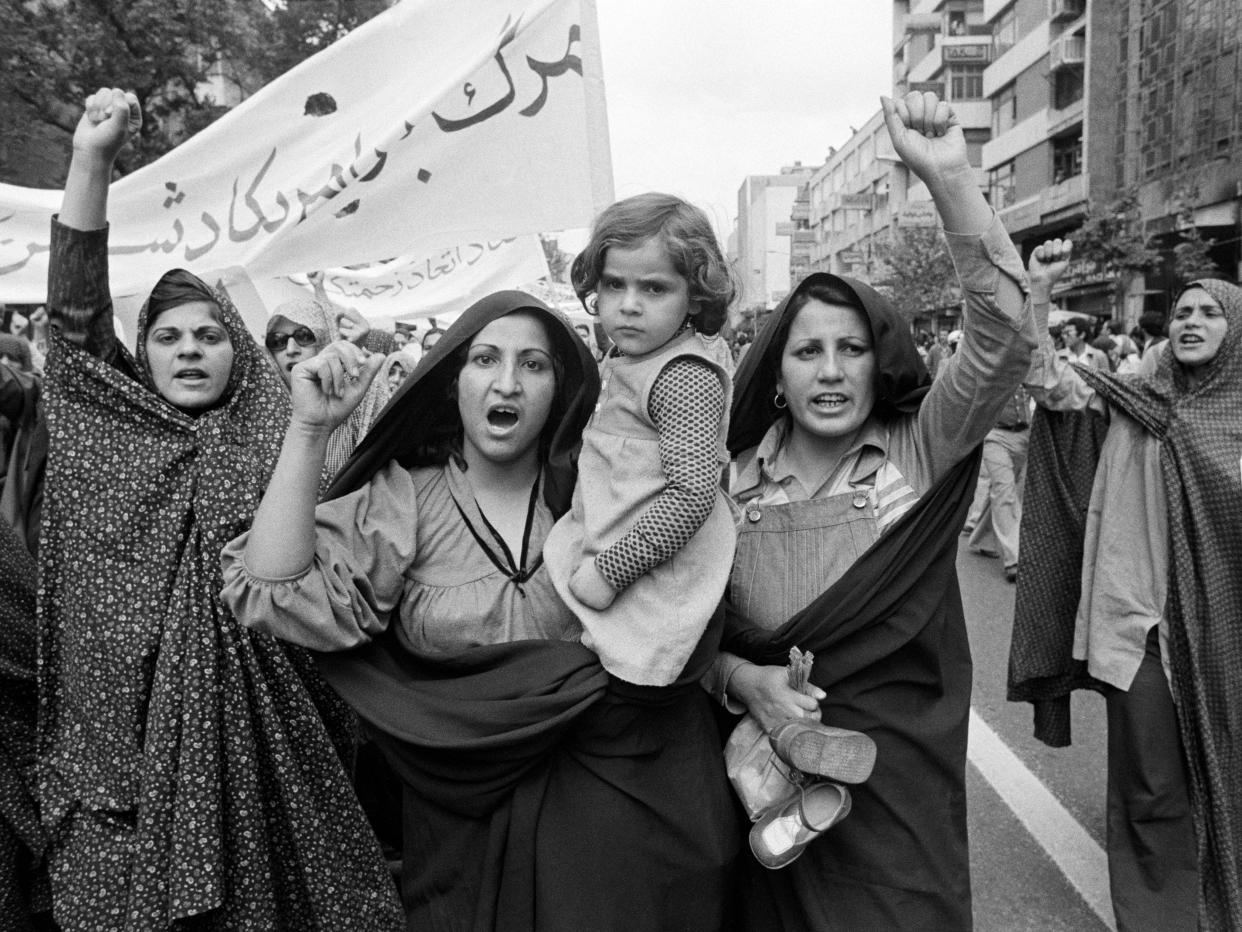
x: 540, y: 793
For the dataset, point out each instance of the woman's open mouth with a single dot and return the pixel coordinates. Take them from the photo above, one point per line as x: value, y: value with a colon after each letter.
x: 502, y: 417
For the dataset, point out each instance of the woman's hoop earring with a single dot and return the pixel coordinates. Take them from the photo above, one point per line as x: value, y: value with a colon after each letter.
x: 779, y: 401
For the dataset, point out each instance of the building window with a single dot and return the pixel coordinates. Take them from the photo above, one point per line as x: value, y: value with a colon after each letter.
x: 1002, y: 188
x: 1066, y: 157
x: 1004, y: 111
x: 957, y: 22
x: 966, y: 82
x: 1067, y: 85
x: 1005, y: 31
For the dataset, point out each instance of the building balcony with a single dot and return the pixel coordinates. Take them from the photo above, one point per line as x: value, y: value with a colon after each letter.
x: 992, y: 9
x: 1063, y: 10
x: 1066, y: 51
x: 1062, y: 198
x: 1028, y: 50
x: 923, y: 22
x: 926, y: 7
x: 805, y: 237
x: 1065, y: 118
x: 962, y: 50
x: 1030, y: 132
x: 973, y: 114
x: 801, y: 211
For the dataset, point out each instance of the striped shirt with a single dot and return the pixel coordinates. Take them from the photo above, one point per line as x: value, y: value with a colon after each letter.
x: 865, y: 470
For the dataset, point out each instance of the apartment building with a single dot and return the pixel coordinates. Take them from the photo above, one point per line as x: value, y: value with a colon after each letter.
x: 862, y: 193
x: 1091, y: 100
x: 761, y: 254
x: 1172, y: 117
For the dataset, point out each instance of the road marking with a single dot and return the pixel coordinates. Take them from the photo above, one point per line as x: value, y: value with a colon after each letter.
x: 1074, y: 852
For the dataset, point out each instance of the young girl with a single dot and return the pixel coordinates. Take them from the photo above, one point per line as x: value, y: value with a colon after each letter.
x: 643, y: 556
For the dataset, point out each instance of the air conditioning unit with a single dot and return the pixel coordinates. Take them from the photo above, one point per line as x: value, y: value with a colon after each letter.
x: 1065, y: 9
x: 1066, y: 51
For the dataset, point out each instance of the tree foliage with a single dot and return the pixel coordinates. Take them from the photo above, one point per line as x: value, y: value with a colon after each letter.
x: 1192, y: 254
x: 1112, y: 235
x: 55, y: 52
x: 917, y: 272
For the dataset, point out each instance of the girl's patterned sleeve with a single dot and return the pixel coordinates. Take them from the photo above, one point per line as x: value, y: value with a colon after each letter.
x: 687, y: 405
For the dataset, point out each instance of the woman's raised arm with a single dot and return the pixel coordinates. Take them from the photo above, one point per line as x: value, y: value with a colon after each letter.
x: 111, y: 115
x: 324, y: 390
x: 79, y: 304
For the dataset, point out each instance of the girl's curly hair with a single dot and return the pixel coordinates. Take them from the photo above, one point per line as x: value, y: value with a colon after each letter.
x: 687, y: 236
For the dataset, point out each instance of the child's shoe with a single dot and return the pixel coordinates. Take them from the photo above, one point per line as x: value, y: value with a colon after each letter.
x: 783, y: 832
x: 813, y: 747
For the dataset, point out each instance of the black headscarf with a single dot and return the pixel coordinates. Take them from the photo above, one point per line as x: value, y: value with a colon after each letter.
x: 901, y: 378
x: 422, y: 409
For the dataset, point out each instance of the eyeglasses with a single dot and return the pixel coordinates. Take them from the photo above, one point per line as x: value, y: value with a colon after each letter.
x: 275, y: 340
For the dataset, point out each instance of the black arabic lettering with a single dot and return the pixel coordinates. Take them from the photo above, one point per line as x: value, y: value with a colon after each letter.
x: 508, y: 34
x: 443, y: 267
x: 261, y: 221
x: 169, y: 245
x: 381, y: 159
x: 156, y: 245
x: 335, y: 185
x: 554, y: 69
x: 197, y: 252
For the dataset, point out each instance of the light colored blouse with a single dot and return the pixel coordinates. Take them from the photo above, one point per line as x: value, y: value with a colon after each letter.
x: 1125, y: 549
x: 414, y: 546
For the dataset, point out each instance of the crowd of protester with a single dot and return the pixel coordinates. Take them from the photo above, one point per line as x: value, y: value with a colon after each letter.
x: 522, y: 624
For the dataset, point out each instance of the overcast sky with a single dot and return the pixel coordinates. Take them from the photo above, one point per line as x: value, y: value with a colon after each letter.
x: 702, y: 93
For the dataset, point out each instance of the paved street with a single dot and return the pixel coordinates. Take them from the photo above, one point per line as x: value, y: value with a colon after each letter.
x: 1036, y: 813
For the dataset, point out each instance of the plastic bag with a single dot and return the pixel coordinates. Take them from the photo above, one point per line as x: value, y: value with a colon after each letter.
x: 760, y: 778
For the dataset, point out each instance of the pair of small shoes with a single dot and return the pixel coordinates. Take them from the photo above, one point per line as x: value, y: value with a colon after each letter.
x: 815, y: 748
x: 783, y: 832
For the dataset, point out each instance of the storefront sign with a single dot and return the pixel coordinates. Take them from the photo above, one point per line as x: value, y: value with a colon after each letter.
x: 975, y: 52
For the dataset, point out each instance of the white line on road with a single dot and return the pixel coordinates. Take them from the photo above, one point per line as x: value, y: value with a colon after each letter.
x: 1074, y: 852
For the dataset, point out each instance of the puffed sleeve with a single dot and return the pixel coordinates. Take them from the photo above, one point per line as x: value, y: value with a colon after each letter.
x: 364, y: 543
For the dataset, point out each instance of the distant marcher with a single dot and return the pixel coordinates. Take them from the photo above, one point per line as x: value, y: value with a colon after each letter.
x: 1075, y: 333
x: 300, y: 329
x: 1157, y: 624
x: 431, y: 338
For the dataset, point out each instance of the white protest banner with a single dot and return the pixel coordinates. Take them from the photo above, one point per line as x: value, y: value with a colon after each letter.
x: 445, y: 282
x: 432, y: 125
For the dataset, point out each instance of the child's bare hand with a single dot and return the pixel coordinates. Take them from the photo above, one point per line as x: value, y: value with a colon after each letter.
x: 590, y: 587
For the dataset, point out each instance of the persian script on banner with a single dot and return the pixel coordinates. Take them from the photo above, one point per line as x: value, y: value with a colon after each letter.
x: 431, y: 126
